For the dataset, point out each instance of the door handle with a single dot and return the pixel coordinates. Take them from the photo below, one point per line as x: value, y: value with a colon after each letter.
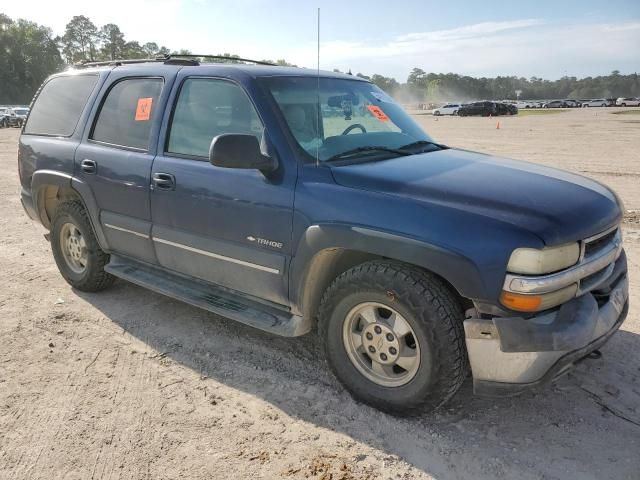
x: 163, y: 181
x: 89, y: 166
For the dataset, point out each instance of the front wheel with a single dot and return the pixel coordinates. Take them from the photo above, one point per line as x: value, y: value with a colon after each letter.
x: 76, y: 251
x: 393, y: 336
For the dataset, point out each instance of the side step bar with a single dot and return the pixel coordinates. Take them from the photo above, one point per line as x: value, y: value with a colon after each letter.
x: 215, y: 299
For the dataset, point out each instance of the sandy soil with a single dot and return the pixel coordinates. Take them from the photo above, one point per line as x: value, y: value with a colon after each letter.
x: 132, y: 385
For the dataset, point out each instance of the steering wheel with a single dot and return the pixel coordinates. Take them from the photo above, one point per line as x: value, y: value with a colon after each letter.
x: 351, y: 127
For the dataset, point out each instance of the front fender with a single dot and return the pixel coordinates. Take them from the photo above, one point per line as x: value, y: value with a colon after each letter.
x: 458, y: 270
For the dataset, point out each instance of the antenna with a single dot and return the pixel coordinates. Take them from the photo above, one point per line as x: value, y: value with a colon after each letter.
x: 318, y: 97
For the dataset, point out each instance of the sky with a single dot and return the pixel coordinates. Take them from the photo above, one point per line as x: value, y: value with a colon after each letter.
x: 541, y: 38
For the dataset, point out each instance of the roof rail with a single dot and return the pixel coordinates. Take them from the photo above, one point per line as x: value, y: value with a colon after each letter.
x: 171, y: 59
x: 220, y: 57
x: 115, y: 63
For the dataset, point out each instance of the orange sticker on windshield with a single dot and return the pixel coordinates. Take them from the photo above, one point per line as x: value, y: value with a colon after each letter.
x: 378, y: 113
x: 143, y: 110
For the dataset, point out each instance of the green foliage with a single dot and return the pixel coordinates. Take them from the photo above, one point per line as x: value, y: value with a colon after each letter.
x: 440, y: 87
x: 28, y: 55
x: 80, y: 40
x: 113, y: 44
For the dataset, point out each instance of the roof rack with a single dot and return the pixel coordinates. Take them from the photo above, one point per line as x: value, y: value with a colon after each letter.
x: 171, y: 59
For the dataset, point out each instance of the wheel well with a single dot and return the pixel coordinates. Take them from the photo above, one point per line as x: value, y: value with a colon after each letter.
x: 328, y: 264
x: 49, y: 197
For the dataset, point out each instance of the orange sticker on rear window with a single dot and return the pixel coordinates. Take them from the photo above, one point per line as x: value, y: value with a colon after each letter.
x: 378, y: 113
x: 143, y: 110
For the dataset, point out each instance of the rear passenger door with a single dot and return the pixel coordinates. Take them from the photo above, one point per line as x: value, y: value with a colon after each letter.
x: 231, y: 227
x: 117, y: 152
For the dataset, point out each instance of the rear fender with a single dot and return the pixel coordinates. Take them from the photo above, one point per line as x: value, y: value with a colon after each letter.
x: 43, y: 179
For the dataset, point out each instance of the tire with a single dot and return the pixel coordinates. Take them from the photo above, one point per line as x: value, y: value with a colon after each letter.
x: 80, y: 260
x: 455, y: 112
x: 623, y: 104
x: 436, y: 113
x: 435, y: 344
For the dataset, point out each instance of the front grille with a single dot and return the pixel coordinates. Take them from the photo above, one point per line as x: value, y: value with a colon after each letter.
x: 594, y: 246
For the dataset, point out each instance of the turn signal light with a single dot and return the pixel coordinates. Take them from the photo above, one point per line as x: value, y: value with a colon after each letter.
x: 535, y: 303
x: 521, y: 303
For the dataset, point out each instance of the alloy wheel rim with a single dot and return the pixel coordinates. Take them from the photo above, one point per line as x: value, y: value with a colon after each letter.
x: 381, y: 344
x: 74, y: 248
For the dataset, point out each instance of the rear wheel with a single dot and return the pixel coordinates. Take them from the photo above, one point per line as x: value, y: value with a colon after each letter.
x: 76, y: 251
x: 393, y: 336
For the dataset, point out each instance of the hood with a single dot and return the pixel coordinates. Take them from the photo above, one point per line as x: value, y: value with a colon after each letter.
x: 555, y: 205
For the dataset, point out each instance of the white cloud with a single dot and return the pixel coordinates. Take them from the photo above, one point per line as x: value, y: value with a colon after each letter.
x: 522, y: 47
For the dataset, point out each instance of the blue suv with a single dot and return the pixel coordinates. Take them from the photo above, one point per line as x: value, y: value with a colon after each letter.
x: 287, y: 199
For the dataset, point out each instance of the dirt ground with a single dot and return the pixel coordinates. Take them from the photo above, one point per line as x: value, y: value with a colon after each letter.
x: 128, y: 384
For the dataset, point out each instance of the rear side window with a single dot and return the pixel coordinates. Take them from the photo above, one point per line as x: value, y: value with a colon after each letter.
x: 59, y: 105
x: 126, y: 114
x: 206, y: 108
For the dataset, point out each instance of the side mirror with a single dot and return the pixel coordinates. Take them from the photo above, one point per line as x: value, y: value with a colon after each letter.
x: 236, y: 150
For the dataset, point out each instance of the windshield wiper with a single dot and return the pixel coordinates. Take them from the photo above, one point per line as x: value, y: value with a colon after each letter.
x: 354, y: 151
x: 421, y: 143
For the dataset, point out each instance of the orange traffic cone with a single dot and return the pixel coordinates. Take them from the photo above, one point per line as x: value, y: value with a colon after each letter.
x: 498, y: 125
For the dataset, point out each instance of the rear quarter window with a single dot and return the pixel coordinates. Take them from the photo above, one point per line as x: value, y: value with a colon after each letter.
x: 59, y: 104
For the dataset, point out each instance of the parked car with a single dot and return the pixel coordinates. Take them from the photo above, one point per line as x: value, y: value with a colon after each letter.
x: 212, y: 184
x: 598, y: 102
x: 506, y: 108
x: 4, y: 117
x: 555, y: 104
x: 628, y: 102
x: 483, y: 109
x: 17, y: 116
x: 447, y: 109
x: 572, y: 103
x: 520, y: 104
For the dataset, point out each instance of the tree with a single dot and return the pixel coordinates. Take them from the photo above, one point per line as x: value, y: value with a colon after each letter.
x: 28, y: 55
x: 133, y: 50
x: 80, y: 40
x: 113, y: 44
x: 151, y: 49
x: 416, y: 76
x: 388, y: 84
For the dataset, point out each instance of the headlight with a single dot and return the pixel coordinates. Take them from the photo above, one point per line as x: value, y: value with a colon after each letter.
x: 531, y: 261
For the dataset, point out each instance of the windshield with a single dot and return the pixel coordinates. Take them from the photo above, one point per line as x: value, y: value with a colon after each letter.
x: 354, y: 115
x: 20, y: 111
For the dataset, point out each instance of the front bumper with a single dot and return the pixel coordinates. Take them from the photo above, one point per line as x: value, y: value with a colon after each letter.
x: 510, y: 355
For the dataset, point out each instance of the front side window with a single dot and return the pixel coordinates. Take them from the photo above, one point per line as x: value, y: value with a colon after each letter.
x: 59, y: 105
x: 206, y: 108
x: 340, y: 115
x: 126, y: 114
